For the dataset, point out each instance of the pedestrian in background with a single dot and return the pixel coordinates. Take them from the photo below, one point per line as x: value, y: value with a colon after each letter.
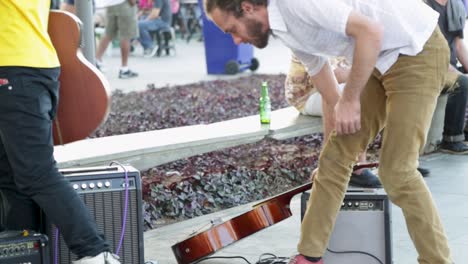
x: 121, y: 23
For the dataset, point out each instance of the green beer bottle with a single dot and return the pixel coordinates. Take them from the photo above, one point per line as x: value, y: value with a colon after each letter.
x: 265, y: 105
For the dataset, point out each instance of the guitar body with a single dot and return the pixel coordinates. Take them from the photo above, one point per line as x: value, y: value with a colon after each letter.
x: 84, y: 99
x: 263, y: 215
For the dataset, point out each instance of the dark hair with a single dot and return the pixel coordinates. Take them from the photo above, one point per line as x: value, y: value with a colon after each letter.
x: 230, y: 6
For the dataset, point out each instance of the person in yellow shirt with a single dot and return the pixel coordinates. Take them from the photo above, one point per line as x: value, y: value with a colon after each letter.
x: 29, y: 178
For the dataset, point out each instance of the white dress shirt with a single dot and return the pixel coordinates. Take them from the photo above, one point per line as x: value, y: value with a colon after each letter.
x: 316, y: 29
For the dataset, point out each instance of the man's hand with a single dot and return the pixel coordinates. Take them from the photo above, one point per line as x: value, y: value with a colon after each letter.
x: 347, y: 116
x: 341, y: 74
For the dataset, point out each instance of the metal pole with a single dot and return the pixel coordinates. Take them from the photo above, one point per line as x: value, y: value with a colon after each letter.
x: 84, y: 10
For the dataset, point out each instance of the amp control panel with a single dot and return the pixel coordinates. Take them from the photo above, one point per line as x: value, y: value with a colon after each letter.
x: 362, y: 205
x: 23, y: 247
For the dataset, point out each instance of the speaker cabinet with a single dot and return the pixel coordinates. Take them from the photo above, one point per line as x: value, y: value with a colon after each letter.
x: 362, y: 232
x: 18, y: 247
x: 104, y: 191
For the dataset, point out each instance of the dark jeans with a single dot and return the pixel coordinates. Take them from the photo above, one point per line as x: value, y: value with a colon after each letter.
x: 455, y: 111
x: 145, y: 28
x: 29, y: 178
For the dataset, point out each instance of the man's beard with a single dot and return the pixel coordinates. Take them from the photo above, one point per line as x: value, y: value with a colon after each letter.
x: 260, y: 39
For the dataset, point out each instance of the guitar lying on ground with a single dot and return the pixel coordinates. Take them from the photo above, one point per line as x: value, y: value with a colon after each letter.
x: 84, y: 100
x: 263, y: 215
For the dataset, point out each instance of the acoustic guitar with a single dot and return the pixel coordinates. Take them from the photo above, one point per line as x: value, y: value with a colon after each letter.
x: 84, y: 99
x: 263, y: 215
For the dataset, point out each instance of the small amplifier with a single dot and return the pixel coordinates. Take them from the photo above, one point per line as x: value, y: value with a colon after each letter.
x: 21, y: 247
x: 362, y: 232
x: 109, y: 193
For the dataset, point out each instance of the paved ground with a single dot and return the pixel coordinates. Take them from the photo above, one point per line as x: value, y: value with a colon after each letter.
x: 187, y: 66
x: 448, y: 181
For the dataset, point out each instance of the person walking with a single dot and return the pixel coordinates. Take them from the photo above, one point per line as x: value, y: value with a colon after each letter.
x: 121, y: 22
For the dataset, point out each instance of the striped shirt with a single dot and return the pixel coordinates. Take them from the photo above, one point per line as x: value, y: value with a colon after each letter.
x: 316, y: 29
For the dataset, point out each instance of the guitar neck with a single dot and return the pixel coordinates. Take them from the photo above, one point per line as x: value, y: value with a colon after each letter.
x: 286, y: 197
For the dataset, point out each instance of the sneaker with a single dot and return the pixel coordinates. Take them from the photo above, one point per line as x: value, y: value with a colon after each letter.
x: 103, y: 258
x: 365, y: 179
x: 149, y: 53
x: 424, y: 172
x: 454, y: 147
x: 146, y: 52
x: 127, y: 74
x: 100, y: 66
x: 300, y: 259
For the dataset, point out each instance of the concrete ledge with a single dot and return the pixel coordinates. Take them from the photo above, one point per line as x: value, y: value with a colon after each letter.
x: 288, y: 123
x: 148, y: 149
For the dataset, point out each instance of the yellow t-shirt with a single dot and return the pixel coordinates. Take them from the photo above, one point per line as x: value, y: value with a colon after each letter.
x: 24, y: 40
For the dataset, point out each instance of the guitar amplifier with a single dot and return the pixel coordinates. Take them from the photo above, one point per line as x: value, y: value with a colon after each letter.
x: 362, y: 232
x: 21, y: 247
x: 108, y: 198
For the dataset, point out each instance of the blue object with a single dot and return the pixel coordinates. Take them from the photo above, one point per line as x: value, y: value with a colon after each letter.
x: 222, y: 55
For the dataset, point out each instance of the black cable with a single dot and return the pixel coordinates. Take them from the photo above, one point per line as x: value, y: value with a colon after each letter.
x: 355, y: 252
x: 273, y: 259
x: 220, y: 257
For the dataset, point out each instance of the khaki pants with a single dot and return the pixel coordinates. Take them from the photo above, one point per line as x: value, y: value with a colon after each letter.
x: 403, y: 100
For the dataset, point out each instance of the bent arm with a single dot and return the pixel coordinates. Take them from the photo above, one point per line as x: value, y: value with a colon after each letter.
x: 328, y: 88
x: 368, y: 36
x: 154, y: 14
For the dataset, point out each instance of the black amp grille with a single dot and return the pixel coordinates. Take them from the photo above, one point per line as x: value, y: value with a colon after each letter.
x: 103, y: 191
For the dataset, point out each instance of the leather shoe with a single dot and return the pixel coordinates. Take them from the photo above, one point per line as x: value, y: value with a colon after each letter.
x: 454, y: 147
x: 424, y: 172
x: 365, y: 179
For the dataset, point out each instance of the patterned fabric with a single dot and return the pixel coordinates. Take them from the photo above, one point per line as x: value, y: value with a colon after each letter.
x: 298, y: 84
